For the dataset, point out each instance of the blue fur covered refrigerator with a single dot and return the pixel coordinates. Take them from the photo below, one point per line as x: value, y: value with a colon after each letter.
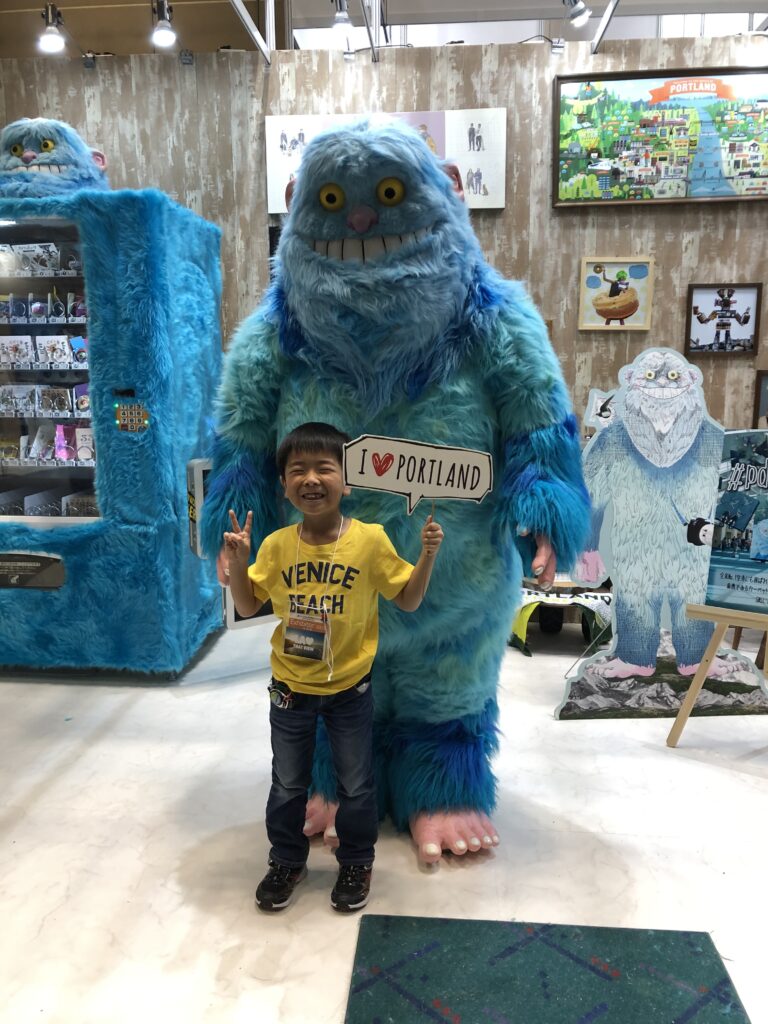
x: 130, y: 593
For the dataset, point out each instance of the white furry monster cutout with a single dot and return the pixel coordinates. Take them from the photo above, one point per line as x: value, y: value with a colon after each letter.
x: 652, y: 474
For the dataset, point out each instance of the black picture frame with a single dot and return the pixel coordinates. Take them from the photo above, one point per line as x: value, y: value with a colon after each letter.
x: 729, y: 310
x: 612, y: 146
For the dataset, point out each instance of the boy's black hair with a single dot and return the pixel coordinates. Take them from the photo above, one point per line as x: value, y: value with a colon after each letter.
x: 312, y: 437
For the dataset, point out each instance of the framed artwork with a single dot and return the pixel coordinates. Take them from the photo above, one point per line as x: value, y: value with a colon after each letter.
x: 660, y: 137
x: 615, y: 294
x: 476, y: 140
x: 760, y: 415
x: 723, y: 319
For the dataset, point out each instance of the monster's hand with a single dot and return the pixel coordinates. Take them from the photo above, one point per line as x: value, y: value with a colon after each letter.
x: 544, y: 562
x: 590, y: 568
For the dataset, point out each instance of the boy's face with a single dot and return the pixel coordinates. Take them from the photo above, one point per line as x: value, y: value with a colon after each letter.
x: 314, y: 482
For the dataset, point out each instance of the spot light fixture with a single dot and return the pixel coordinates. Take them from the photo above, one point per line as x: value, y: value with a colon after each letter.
x: 51, y: 40
x: 163, y: 35
x: 578, y: 12
x: 341, y: 30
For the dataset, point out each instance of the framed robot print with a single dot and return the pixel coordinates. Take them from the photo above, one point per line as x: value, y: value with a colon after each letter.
x: 723, y: 319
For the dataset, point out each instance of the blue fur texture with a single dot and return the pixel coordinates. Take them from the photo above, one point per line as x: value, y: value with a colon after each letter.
x: 411, y: 334
x: 41, y: 157
x: 135, y: 597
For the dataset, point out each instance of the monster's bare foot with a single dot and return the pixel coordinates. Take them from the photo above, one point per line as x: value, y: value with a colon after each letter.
x: 458, y: 831
x: 717, y: 667
x: 615, y: 668
x: 321, y: 817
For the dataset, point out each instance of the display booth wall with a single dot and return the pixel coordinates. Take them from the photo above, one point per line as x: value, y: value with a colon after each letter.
x: 197, y: 132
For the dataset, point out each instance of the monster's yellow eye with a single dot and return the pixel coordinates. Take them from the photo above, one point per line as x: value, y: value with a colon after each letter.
x: 390, y: 191
x: 47, y: 145
x: 673, y: 375
x: 650, y: 375
x: 17, y: 149
x: 332, y: 197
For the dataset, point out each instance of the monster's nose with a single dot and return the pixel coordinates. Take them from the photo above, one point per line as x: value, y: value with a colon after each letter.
x: 28, y: 156
x: 362, y: 218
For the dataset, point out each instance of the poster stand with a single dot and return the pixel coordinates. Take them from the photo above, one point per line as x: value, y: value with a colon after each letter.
x: 723, y: 619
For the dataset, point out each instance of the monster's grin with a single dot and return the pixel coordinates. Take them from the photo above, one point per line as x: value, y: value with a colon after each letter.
x: 666, y: 393
x: 40, y: 168
x: 366, y: 249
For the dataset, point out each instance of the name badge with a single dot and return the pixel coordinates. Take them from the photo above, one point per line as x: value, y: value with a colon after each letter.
x: 306, y: 636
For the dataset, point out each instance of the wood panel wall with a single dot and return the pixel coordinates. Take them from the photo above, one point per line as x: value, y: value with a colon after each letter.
x: 197, y: 133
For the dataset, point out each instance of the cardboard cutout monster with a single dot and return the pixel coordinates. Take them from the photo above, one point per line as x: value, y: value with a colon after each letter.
x: 652, y: 470
x: 40, y: 157
x: 384, y: 318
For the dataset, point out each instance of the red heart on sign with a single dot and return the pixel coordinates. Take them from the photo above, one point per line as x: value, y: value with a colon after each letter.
x: 382, y: 463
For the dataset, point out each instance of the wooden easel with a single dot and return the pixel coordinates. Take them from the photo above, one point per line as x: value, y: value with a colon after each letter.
x: 723, y: 619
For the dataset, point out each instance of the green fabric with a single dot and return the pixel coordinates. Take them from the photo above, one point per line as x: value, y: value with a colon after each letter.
x: 415, y: 969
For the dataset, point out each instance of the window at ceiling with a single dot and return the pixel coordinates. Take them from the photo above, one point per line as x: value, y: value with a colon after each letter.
x: 674, y: 26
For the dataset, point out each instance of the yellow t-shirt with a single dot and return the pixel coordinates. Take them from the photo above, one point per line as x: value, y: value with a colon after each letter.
x: 297, y: 577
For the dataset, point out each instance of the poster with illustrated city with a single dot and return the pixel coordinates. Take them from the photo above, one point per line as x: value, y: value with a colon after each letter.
x: 738, y: 565
x: 475, y: 140
x: 654, y: 137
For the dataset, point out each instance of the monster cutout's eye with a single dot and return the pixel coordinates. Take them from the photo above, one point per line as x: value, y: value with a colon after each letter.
x: 650, y: 375
x: 390, y: 191
x: 332, y: 197
x: 17, y: 149
x: 47, y: 145
x: 673, y: 375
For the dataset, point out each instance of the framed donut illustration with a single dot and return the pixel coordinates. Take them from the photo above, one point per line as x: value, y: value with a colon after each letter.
x: 615, y: 294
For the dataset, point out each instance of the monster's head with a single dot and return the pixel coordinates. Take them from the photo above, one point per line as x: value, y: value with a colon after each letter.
x: 41, y: 157
x: 662, y: 404
x: 377, y: 254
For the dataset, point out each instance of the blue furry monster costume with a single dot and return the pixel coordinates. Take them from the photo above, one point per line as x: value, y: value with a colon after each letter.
x: 383, y: 317
x: 135, y: 596
x: 40, y: 157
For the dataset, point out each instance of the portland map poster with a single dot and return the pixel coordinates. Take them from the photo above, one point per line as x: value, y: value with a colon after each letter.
x: 661, y: 137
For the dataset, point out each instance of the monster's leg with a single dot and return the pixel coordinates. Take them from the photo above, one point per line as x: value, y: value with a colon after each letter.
x: 690, y: 637
x: 443, y: 730
x: 637, y: 625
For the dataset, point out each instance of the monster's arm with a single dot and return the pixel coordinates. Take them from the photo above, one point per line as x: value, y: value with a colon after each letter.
x: 541, y: 487
x: 244, y: 476
x: 597, y: 476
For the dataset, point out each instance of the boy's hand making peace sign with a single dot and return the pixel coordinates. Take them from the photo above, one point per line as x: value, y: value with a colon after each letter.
x: 237, y: 544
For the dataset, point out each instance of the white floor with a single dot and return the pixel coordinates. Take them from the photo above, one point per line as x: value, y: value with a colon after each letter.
x: 133, y: 837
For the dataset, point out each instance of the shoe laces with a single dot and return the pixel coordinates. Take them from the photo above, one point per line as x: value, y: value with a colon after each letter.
x: 352, y: 873
x: 280, y: 872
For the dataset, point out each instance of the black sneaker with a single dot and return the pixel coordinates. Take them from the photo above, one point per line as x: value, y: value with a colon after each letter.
x: 352, y: 887
x: 276, y: 887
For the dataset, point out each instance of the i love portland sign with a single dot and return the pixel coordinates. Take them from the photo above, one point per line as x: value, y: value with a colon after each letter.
x: 417, y: 470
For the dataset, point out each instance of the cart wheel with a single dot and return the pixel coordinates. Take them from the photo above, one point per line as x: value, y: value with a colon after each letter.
x: 550, y: 619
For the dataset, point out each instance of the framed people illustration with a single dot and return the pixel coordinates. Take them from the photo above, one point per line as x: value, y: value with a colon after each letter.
x: 615, y: 294
x: 723, y: 319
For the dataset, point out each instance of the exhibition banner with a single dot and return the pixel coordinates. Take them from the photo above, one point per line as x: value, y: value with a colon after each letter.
x: 738, y: 566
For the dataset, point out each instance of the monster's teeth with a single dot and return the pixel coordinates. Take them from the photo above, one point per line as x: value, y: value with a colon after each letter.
x: 421, y: 234
x: 335, y: 248
x: 54, y: 168
x: 352, y: 249
x: 392, y: 242
x: 373, y: 248
x: 321, y: 247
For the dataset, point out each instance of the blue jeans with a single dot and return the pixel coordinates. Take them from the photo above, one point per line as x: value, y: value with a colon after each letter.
x: 348, y: 718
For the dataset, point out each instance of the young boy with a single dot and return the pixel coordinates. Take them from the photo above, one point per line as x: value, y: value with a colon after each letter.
x: 324, y: 577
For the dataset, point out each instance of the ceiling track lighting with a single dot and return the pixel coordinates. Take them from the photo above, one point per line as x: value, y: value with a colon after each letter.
x: 341, y: 30
x: 578, y: 12
x: 163, y: 35
x: 51, y: 40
